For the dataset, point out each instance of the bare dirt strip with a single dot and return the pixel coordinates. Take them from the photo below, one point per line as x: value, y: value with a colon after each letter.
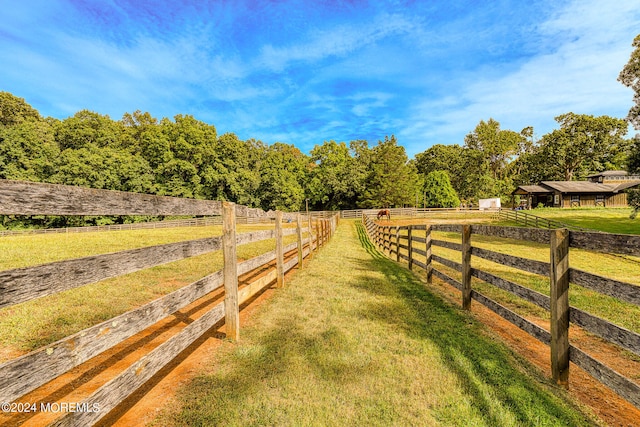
x: 142, y: 406
x: 606, y: 404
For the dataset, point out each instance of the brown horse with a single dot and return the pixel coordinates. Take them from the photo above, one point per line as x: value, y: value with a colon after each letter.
x: 384, y: 212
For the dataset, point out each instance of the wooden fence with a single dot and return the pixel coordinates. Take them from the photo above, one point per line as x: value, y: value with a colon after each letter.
x: 412, y: 212
x: 28, y: 372
x: 529, y: 220
x: 391, y: 239
x: 150, y: 225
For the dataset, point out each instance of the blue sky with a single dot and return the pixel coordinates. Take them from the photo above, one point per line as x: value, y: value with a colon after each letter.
x: 303, y: 72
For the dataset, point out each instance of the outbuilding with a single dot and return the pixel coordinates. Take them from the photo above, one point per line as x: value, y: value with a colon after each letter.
x: 605, y: 189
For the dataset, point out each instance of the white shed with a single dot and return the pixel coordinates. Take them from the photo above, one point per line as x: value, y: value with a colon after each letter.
x: 485, y: 204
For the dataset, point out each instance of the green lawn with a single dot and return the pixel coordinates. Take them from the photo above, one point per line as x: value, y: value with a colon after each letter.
x: 356, y: 339
x: 611, y: 220
x: 36, y: 323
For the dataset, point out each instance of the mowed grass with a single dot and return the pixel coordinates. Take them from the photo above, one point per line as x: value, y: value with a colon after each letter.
x: 610, y: 220
x: 33, y: 324
x: 356, y: 339
x: 626, y: 269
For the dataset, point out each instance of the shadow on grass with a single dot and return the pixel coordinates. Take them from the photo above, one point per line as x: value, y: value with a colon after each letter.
x: 484, y: 368
x: 260, y: 382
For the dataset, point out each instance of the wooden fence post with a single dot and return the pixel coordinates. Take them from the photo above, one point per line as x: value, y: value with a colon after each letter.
x: 427, y: 249
x: 559, y: 276
x: 299, y: 232
x: 230, y: 271
x: 317, y: 228
x: 310, y: 236
x: 410, y: 244
x: 279, y: 252
x: 397, y: 244
x: 466, y: 267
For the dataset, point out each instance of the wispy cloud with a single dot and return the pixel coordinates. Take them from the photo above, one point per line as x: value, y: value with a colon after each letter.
x: 587, y: 43
x: 304, y: 72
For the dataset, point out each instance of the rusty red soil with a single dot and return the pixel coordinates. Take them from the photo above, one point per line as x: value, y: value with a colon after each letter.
x: 143, y: 405
x: 610, y: 408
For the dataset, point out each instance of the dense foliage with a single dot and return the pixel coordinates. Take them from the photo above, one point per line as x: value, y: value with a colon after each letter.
x: 438, y: 192
x: 186, y: 157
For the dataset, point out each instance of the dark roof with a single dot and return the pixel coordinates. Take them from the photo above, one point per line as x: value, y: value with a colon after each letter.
x: 626, y: 185
x: 526, y: 189
x: 579, y: 186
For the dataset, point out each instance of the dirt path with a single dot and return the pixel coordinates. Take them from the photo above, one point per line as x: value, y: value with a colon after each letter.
x: 141, y: 407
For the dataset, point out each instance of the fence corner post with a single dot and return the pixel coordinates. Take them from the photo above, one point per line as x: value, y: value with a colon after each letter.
x: 429, y: 258
x: 559, y: 278
x: 466, y: 267
x: 230, y: 271
x: 279, y: 252
x: 299, y: 233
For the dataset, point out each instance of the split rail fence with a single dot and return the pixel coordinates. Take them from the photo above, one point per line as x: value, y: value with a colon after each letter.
x: 28, y: 372
x: 393, y: 239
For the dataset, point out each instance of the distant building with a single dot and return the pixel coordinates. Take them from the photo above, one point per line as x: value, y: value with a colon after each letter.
x: 606, y: 189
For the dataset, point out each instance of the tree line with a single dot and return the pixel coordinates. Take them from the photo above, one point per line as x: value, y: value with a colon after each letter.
x: 186, y: 157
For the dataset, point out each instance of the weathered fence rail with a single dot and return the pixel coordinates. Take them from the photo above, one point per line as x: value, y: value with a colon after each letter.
x: 530, y: 220
x: 171, y: 223
x: 415, y: 212
x: 560, y: 273
x: 24, y: 374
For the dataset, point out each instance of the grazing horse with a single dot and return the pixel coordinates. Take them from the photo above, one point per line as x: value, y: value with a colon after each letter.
x: 384, y: 212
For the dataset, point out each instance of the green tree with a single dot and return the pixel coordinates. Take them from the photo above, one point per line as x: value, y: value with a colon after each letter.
x: 449, y: 158
x: 392, y: 179
x: 233, y: 174
x: 14, y: 110
x: 104, y: 168
x: 438, y: 192
x: 497, y: 146
x: 332, y: 183
x: 583, y: 143
x: 88, y: 128
x: 630, y: 77
x: 282, y: 178
x: 27, y: 151
x: 182, y: 156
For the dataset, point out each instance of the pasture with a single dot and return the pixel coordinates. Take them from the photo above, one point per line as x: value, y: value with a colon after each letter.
x: 623, y: 268
x: 356, y: 339
x: 610, y: 220
x: 36, y: 323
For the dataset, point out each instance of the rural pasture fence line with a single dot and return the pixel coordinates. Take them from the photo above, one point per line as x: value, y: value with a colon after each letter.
x: 413, y: 212
x: 268, y: 218
x: 172, y: 223
x: 26, y: 373
x: 529, y: 220
x: 392, y: 239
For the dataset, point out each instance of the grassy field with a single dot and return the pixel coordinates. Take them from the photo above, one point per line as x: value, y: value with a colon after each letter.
x: 28, y: 326
x: 356, y: 339
x: 623, y: 268
x: 611, y: 220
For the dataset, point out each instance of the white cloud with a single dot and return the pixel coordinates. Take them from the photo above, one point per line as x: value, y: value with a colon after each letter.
x: 578, y: 75
x: 335, y: 42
